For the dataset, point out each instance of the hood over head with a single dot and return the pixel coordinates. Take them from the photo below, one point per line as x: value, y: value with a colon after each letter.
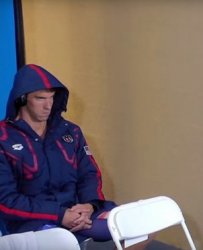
x: 31, y: 78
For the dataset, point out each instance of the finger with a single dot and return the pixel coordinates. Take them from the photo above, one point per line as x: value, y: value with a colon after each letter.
x: 78, y: 222
x: 80, y: 227
x: 82, y: 207
x: 80, y: 210
x: 77, y: 228
x: 87, y: 226
x: 83, y: 218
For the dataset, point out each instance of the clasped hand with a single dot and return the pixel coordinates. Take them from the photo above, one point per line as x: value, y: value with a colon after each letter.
x: 78, y: 217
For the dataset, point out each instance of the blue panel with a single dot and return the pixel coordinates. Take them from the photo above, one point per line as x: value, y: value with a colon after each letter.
x: 8, y: 63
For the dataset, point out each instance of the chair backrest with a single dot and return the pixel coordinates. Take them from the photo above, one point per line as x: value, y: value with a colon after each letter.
x: 56, y: 239
x: 51, y: 239
x: 133, y: 222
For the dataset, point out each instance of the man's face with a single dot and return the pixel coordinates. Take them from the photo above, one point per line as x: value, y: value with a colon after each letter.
x: 39, y: 105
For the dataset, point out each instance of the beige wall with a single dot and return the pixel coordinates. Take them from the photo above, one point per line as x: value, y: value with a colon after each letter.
x: 134, y: 70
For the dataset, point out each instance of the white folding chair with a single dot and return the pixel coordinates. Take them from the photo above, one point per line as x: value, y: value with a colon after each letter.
x: 56, y: 239
x: 50, y: 239
x: 133, y: 222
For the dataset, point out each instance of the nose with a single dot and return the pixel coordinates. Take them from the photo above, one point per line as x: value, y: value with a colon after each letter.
x: 48, y: 104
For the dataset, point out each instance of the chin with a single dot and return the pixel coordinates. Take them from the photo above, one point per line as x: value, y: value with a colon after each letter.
x: 43, y: 119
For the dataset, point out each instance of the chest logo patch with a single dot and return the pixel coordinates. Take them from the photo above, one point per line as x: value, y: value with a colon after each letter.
x: 87, y: 150
x: 17, y: 146
x: 68, y: 138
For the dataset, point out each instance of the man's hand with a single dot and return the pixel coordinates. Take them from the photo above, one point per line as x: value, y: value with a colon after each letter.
x: 69, y: 218
x: 78, y: 217
x: 83, y: 222
x: 86, y: 209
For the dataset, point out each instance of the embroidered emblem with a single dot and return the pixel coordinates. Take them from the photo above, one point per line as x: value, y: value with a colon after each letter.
x: 17, y: 146
x: 68, y: 138
x: 87, y: 151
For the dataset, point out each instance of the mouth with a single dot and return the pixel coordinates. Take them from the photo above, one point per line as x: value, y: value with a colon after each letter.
x: 45, y: 115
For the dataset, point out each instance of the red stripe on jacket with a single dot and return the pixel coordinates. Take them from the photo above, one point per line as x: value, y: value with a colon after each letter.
x: 99, y: 188
x: 29, y: 215
x: 42, y: 75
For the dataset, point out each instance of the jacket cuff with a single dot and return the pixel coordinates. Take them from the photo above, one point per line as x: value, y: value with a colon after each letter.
x: 97, y: 204
x: 61, y: 214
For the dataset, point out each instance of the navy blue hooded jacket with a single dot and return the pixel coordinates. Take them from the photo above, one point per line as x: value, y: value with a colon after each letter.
x: 40, y: 178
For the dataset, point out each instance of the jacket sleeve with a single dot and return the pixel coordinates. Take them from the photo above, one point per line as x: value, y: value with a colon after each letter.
x: 89, y: 176
x: 16, y: 206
